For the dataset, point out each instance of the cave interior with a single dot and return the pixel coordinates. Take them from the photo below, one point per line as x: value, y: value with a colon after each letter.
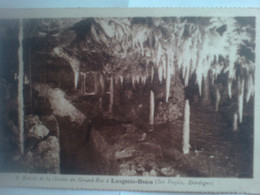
x: 116, y: 94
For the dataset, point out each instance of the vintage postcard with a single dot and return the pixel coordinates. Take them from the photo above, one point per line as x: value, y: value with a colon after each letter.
x: 130, y: 99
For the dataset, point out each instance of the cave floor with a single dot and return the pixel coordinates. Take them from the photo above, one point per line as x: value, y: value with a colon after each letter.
x: 117, y: 148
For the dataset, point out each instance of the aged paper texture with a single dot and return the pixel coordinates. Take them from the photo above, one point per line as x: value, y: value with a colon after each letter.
x: 130, y: 99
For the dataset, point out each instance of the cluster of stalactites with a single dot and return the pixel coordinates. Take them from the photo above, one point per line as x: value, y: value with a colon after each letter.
x: 188, y: 47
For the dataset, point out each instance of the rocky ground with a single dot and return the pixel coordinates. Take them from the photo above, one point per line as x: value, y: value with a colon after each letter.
x: 118, y: 148
x: 41, y: 147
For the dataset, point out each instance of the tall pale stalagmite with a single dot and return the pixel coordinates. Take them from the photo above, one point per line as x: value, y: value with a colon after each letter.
x: 151, y: 116
x: 20, y: 88
x: 218, y: 97
x: 186, y: 129
x: 235, y: 122
x: 111, y: 94
x: 241, y: 101
x: 168, y: 82
x: 83, y: 82
x: 230, y: 89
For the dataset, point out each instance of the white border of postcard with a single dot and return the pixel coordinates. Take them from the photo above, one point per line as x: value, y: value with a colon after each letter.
x: 166, y: 184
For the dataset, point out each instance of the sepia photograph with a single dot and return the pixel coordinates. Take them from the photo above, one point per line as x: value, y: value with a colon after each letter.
x: 128, y: 96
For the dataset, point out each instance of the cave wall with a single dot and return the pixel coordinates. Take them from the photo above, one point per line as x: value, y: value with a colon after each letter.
x: 39, y: 150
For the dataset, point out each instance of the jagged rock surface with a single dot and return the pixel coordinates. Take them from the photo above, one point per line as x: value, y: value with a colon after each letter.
x: 42, y: 150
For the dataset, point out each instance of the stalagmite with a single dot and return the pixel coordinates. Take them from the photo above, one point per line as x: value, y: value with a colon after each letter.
x: 20, y: 89
x: 168, y: 82
x: 111, y: 94
x: 160, y: 73
x: 102, y: 83
x: 218, y: 97
x: 186, y: 129
x: 84, y: 83
x: 230, y: 89
x: 235, y: 119
x: 241, y: 101
x: 121, y: 80
x: 151, y: 116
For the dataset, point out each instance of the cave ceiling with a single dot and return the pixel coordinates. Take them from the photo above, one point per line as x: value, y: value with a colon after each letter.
x: 135, y: 47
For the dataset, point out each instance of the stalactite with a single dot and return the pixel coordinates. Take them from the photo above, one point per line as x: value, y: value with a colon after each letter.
x: 139, y: 38
x: 235, y: 122
x: 241, y: 100
x: 143, y: 78
x: 250, y: 88
x: 108, y: 29
x: 199, y: 76
x: 186, y: 129
x: 94, y: 33
x: 102, y: 83
x: 76, y: 79
x: 170, y: 60
x: 187, y: 72
x: 197, y: 53
x: 20, y: 89
x: 213, y: 80
x: 138, y: 79
x: 142, y: 46
x: 111, y: 95
x: 160, y: 73
x: 151, y: 116
x: 159, y: 53
x: 218, y: 98
x: 164, y: 68
x: 74, y: 63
